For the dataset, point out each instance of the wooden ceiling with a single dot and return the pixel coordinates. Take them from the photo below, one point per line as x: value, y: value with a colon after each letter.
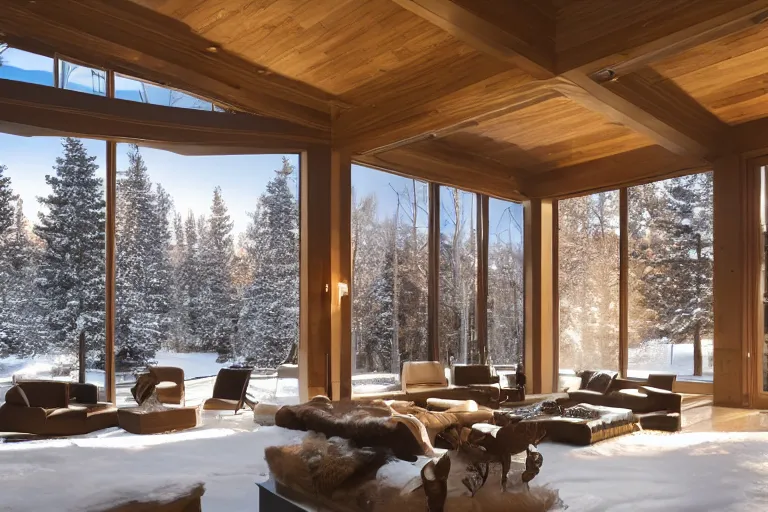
x: 518, y: 98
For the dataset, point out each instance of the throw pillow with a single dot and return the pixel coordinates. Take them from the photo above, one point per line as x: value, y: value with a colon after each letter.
x: 601, y: 381
x: 16, y: 396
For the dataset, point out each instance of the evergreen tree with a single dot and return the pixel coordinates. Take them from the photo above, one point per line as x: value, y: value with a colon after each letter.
x: 218, y: 308
x: 21, y: 320
x: 191, y: 284
x: 142, y: 279
x: 269, y: 317
x: 6, y: 202
x: 382, y: 330
x: 71, y: 273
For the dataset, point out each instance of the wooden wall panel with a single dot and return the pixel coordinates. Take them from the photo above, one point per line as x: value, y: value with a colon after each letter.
x: 539, y: 303
x: 341, y: 273
x: 315, y: 286
x: 734, y: 271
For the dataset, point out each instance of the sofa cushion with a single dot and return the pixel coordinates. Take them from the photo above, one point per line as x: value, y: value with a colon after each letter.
x: 423, y: 373
x: 600, y: 381
x: 16, y: 396
x: 46, y: 394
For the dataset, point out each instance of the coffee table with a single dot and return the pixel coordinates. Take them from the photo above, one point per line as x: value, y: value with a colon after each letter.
x: 136, y: 421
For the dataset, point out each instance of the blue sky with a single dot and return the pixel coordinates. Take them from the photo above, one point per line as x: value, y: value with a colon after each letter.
x: 191, y: 179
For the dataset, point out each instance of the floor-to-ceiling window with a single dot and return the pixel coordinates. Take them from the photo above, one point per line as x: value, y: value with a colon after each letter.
x: 458, y: 276
x: 506, y: 290
x: 589, y: 282
x: 52, y: 258
x: 207, y: 265
x: 389, y: 224
x: 670, y: 277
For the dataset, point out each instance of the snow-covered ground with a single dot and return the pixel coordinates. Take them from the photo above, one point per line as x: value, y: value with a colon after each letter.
x: 668, y: 358
x: 641, y: 472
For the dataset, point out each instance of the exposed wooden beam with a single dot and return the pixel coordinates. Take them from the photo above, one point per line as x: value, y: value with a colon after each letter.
x: 29, y: 109
x: 135, y: 40
x: 648, y: 32
x: 751, y: 137
x: 660, y: 124
x: 625, y: 169
x: 375, y: 129
x: 440, y: 163
x: 504, y: 30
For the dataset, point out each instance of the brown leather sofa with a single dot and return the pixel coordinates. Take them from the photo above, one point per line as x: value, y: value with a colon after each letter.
x: 422, y: 380
x: 44, y: 408
x: 652, y: 400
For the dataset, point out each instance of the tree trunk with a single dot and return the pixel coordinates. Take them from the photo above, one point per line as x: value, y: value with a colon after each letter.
x: 697, y: 349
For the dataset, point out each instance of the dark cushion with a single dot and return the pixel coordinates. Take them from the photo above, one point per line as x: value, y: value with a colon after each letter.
x: 16, y: 396
x: 145, y: 386
x: 600, y: 381
x: 466, y: 374
x: 231, y: 383
x: 48, y: 394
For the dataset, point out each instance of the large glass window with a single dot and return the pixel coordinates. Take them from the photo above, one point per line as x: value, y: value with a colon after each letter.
x: 77, y: 77
x: 207, y: 270
x: 23, y: 66
x: 52, y: 254
x: 506, y: 291
x: 145, y: 92
x: 390, y: 219
x: 589, y: 282
x: 670, y: 277
x: 458, y: 276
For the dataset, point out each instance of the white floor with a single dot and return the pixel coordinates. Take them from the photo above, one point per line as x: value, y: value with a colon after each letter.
x: 640, y: 472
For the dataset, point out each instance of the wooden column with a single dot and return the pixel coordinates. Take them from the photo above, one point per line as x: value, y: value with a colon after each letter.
x: 341, y: 276
x: 555, y: 294
x: 109, y: 283
x: 539, y: 304
x: 315, y: 288
x: 736, y: 277
x: 433, y: 274
x: 481, y: 302
x: 623, y: 282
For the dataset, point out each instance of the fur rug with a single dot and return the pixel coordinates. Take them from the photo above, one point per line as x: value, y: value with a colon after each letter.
x: 370, y: 425
x: 338, y: 476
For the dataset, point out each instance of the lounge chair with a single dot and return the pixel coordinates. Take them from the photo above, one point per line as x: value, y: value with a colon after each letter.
x: 170, y: 384
x: 229, y: 390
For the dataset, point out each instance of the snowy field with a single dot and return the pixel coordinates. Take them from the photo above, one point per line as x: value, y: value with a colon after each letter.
x: 669, y: 358
x: 640, y: 472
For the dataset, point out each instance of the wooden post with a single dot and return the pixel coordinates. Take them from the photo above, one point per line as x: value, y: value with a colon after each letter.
x: 736, y: 277
x: 555, y: 295
x: 539, y: 310
x: 109, y: 349
x: 341, y: 276
x: 315, y: 269
x: 481, y: 302
x: 623, y: 282
x: 433, y: 275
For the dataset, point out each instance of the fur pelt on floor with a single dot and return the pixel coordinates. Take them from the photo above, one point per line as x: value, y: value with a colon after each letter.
x: 320, y: 466
x: 366, y: 426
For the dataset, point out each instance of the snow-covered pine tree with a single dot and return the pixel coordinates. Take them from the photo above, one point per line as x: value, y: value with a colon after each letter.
x: 191, y: 285
x: 379, y: 342
x: 269, y: 318
x: 677, y: 284
x: 7, y: 199
x: 161, y: 282
x: 219, y: 311
x: 141, y: 281
x: 178, y: 335
x: 21, y: 320
x: 71, y: 273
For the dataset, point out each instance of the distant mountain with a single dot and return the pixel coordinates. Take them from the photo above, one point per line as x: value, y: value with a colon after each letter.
x: 26, y: 75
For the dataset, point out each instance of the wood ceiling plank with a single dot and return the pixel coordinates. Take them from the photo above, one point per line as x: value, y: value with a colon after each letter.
x: 625, y: 169
x: 380, y: 127
x: 511, y: 31
x: 595, y: 34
